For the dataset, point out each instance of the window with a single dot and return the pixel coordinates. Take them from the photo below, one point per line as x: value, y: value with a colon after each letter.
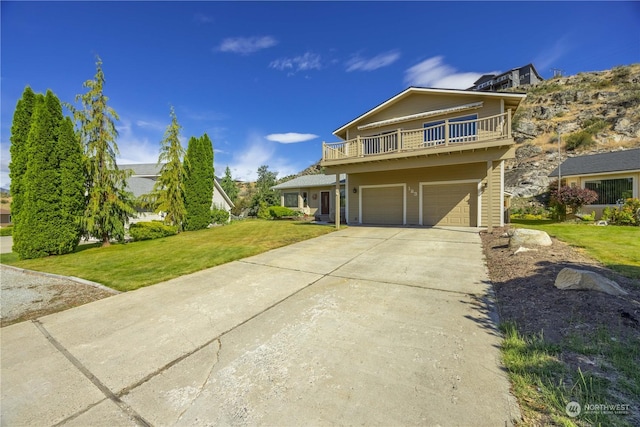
x: 611, y: 190
x: 304, y: 200
x: 291, y: 200
x: 461, y: 129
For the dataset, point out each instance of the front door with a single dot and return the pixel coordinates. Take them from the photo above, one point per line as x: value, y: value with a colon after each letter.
x: 324, y: 202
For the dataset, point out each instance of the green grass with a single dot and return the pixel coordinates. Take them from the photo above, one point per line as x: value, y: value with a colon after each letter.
x: 544, y: 384
x: 6, y: 231
x: 616, y: 247
x: 133, y: 265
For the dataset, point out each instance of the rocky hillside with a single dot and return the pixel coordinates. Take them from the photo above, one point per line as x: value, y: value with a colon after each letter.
x: 593, y: 112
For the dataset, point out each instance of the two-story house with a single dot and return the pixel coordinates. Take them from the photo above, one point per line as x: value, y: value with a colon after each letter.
x: 425, y: 157
x: 526, y: 75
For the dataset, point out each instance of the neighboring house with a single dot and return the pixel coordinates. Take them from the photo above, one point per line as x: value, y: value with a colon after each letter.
x: 5, y: 217
x: 614, y: 176
x: 515, y: 77
x: 426, y: 157
x: 314, y: 195
x: 144, y: 178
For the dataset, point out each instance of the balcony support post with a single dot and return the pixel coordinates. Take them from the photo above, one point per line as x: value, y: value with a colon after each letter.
x: 359, y: 146
x: 508, y: 135
x: 337, y: 202
x: 446, y: 132
x: 399, y: 140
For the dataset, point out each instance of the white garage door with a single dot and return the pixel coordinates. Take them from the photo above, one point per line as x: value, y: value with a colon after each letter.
x: 450, y: 204
x: 383, y: 205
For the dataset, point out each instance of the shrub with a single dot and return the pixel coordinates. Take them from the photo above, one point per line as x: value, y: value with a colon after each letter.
x: 263, y: 211
x: 573, y: 197
x: 151, y: 230
x: 6, y: 231
x: 278, y: 212
x: 219, y: 216
x: 580, y: 139
x: 627, y: 214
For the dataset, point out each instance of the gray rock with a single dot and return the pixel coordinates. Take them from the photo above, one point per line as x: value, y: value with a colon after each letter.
x: 526, y: 237
x: 572, y: 279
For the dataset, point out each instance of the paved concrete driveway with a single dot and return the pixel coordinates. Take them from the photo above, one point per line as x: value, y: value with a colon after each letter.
x: 368, y: 325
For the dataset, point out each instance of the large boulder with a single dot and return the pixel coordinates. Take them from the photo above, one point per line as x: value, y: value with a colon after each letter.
x: 525, y: 237
x: 572, y: 279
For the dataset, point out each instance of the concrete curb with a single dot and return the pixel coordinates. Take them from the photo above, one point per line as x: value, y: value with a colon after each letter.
x: 58, y: 276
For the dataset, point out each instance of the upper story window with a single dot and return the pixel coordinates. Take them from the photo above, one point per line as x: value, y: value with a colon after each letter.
x: 461, y: 129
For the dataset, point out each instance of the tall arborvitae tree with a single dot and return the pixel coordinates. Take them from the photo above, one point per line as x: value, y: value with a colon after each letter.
x: 229, y: 185
x: 198, y: 184
x: 70, y: 158
x: 41, y: 227
x: 109, y: 206
x: 169, y: 188
x: 22, y: 119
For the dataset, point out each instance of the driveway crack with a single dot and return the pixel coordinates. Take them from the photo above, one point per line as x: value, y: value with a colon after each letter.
x: 204, y: 383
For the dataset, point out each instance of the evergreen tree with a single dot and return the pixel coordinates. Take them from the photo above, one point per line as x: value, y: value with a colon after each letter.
x: 264, y: 195
x: 198, y: 184
x: 22, y: 119
x: 229, y: 185
x: 109, y: 206
x: 169, y: 188
x: 39, y: 233
x: 70, y: 158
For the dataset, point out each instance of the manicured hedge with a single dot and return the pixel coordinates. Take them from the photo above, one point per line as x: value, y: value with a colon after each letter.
x: 278, y: 212
x: 151, y: 230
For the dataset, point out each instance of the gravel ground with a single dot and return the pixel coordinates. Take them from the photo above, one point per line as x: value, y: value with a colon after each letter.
x: 29, y: 295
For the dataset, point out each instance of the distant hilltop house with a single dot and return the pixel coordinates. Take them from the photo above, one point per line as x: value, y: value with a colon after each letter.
x: 144, y: 177
x: 526, y: 75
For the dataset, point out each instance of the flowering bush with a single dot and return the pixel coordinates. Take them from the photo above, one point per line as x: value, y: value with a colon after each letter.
x: 572, y: 197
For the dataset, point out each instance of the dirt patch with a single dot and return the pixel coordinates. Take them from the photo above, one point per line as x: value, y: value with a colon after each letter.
x: 27, y: 295
x: 525, y: 291
x: 525, y: 294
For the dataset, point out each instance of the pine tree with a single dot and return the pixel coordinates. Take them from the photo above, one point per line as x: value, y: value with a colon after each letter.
x: 229, y: 185
x: 109, y: 206
x: 39, y: 233
x: 169, y: 188
x: 22, y: 119
x: 198, y: 184
x: 264, y: 194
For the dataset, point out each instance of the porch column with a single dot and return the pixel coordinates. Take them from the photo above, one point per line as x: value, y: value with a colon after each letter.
x: 489, y: 196
x: 337, y: 203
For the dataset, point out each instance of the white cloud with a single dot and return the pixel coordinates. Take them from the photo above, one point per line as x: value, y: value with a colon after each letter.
x: 134, y: 148
x: 202, y: 18
x: 246, y: 45
x: 433, y: 72
x: 308, y: 61
x: 290, y: 137
x: 156, y: 126
x: 550, y: 55
x: 257, y: 152
x: 358, y: 63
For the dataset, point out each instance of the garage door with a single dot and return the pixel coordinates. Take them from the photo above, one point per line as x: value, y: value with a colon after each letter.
x: 450, y: 204
x: 383, y: 205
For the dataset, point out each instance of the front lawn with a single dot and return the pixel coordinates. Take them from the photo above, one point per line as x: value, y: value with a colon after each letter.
x: 133, y: 265
x: 616, y: 247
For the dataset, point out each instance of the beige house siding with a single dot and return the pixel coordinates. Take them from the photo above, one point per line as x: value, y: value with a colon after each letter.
x: 314, y: 199
x: 412, y: 179
x: 417, y: 103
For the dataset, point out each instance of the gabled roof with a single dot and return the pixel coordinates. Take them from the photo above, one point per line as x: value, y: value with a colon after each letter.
x: 512, y: 100
x: 144, y: 178
x: 310, y: 181
x: 616, y: 161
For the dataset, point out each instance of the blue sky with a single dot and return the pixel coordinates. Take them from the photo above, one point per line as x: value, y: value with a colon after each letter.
x: 269, y: 81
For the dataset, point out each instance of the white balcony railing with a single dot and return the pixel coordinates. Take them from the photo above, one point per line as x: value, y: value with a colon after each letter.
x: 446, y: 133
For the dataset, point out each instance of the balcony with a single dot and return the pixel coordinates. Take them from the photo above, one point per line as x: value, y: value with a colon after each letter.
x: 447, y: 133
